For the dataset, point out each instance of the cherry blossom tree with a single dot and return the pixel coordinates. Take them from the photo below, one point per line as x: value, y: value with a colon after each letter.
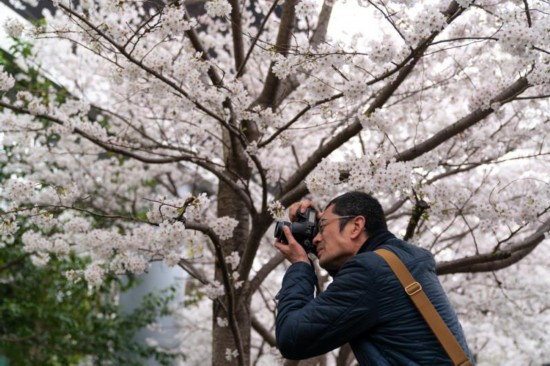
x: 181, y: 136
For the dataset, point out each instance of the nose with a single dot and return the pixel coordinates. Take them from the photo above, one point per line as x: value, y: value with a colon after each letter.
x: 317, y: 239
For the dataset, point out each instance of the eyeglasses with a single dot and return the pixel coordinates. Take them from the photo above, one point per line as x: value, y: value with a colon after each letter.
x: 321, y: 224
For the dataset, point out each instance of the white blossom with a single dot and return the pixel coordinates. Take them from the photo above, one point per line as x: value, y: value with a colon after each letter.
x: 60, y: 247
x: 76, y: 225
x: 6, y: 80
x: 94, y: 274
x: 40, y: 259
x: 277, y: 210
x: 36, y: 108
x: 8, y: 226
x: 13, y: 27
x: 73, y: 275
x: 231, y: 354
x: 356, y: 88
x: 173, y: 21
x: 151, y: 342
x: 233, y: 260
x: 214, y: 290
x: 224, y: 226
x: 172, y: 259
x: 282, y: 66
x: 218, y: 8
x: 222, y: 322
x: 235, y: 279
x: 306, y: 8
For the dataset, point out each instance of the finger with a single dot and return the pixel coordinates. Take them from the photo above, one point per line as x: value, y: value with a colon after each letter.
x: 293, y: 210
x: 284, y: 249
x: 300, y: 207
x: 293, y: 244
x: 289, y: 237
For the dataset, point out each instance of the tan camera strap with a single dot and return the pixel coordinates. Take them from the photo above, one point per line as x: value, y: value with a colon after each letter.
x: 426, y: 308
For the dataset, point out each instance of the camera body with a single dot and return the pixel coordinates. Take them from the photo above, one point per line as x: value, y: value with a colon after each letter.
x: 304, y: 229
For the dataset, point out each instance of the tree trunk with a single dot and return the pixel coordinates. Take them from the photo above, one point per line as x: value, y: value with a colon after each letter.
x: 230, y: 204
x: 223, y: 339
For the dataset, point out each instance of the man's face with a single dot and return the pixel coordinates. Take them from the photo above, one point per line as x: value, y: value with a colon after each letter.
x: 334, y: 247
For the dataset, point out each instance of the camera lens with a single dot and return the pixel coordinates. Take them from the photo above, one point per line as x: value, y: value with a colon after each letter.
x: 279, y: 233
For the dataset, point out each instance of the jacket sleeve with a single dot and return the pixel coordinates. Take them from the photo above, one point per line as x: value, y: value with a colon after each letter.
x: 307, y: 326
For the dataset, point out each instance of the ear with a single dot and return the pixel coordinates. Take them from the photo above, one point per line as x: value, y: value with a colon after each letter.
x: 358, y: 227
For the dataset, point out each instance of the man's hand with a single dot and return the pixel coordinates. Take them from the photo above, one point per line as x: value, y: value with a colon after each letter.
x: 292, y: 251
x: 300, y: 206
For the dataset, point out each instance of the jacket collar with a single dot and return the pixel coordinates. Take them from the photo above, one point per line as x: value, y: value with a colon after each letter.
x: 375, y: 240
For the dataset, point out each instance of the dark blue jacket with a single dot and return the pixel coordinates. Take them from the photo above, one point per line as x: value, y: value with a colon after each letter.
x: 366, y: 306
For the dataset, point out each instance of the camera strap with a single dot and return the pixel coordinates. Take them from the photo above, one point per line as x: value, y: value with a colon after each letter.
x: 426, y: 308
x: 317, y: 285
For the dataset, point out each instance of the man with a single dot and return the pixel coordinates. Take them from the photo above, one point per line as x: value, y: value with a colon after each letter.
x: 365, y: 304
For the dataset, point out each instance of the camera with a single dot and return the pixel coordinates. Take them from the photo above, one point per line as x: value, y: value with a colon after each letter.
x: 303, y: 229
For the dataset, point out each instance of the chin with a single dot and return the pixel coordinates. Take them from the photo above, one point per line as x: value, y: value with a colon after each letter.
x: 324, y: 264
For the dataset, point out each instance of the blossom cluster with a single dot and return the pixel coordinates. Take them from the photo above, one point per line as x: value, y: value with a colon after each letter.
x: 218, y: 8
x: 356, y: 88
x: 305, y: 9
x: 19, y: 190
x: 231, y: 354
x: 224, y: 226
x: 94, y: 273
x: 323, y: 180
x: 235, y: 280
x: 277, y: 210
x: 6, y: 80
x: 13, y: 27
x: 428, y: 20
x: 233, y: 260
x: 283, y: 66
x: 8, y: 228
x: 379, y: 119
x: 517, y: 38
x: 540, y: 74
x: 214, y: 290
x: 222, y: 322
x: 381, y: 174
x: 165, y: 209
x: 173, y: 21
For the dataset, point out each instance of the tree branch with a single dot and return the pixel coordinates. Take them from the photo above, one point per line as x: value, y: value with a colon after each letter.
x: 262, y: 331
x: 463, y: 124
x: 452, y: 12
x: 203, y: 163
x: 260, y: 224
x: 237, y: 33
x: 197, y: 45
x: 262, y: 274
x: 343, y: 136
x: 141, y: 65
x: 240, y: 70
x: 297, y: 118
x: 291, y: 83
x: 494, y: 261
x: 282, y: 46
x: 419, y: 208
x: 528, y: 14
x: 192, y: 271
